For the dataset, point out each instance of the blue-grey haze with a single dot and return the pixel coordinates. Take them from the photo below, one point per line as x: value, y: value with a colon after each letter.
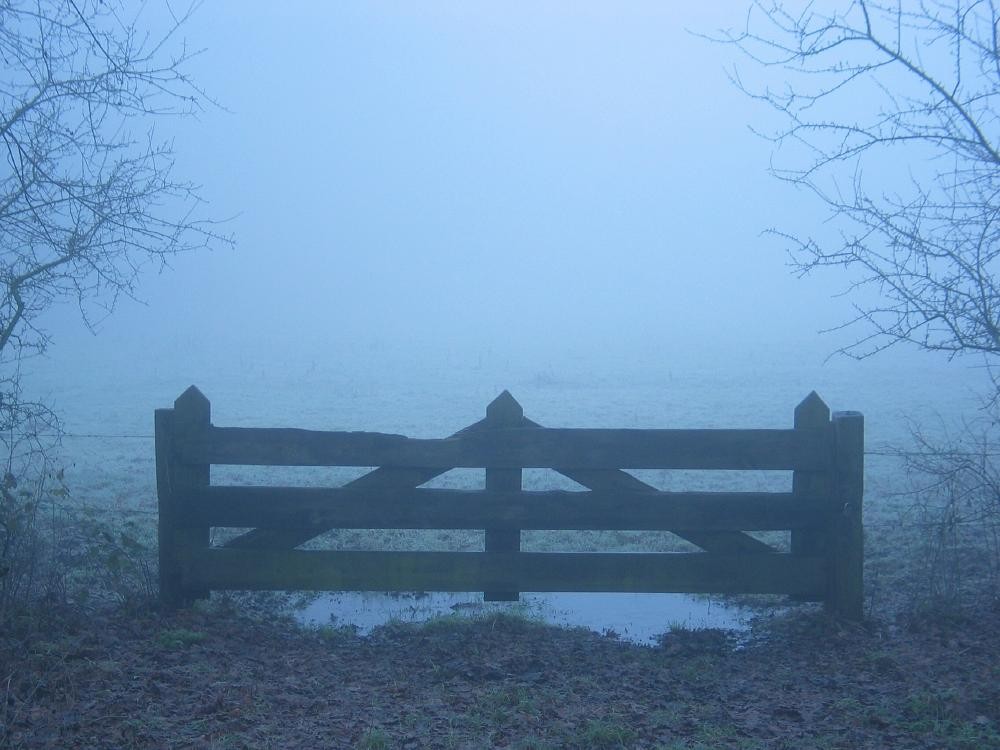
x: 531, y: 180
x: 436, y: 201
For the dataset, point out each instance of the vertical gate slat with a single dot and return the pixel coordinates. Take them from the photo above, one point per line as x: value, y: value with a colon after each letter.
x: 167, y: 508
x: 192, y: 415
x: 811, y: 486
x: 846, y: 597
x: 503, y: 411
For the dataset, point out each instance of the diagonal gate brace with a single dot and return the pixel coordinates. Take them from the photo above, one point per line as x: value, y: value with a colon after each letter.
x: 722, y: 542
x: 384, y: 478
x: 388, y: 478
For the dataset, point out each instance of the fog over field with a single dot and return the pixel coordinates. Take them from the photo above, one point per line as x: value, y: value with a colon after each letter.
x: 628, y: 217
x: 432, y: 204
x: 567, y: 192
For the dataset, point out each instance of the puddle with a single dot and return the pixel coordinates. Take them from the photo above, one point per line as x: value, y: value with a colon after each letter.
x: 638, y: 618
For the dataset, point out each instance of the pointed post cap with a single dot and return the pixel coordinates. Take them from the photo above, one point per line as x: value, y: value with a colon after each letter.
x: 193, y: 406
x: 813, y: 410
x: 191, y: 396
x: 505, y: 410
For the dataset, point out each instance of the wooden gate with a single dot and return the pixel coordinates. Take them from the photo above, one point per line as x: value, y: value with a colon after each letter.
x: 822, y: 511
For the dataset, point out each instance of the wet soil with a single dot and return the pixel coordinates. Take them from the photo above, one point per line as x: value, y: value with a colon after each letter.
x: 220, y: 678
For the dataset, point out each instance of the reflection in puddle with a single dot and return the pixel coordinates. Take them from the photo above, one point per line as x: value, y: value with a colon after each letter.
x: 639, y: 618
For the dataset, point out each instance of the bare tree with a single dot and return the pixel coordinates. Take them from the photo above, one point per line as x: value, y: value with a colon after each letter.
x: 88, y: 197
x: 889, y: 114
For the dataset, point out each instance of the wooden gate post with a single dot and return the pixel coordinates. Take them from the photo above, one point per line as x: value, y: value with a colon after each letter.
x: 811, y: 486
x: 190, y: 416
x: 170, y: 574
x: 846, y: 595
x: 504, y: 411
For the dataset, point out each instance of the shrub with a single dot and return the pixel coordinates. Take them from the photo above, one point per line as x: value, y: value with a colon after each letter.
x: 955, y: 488
x: 53, y: 550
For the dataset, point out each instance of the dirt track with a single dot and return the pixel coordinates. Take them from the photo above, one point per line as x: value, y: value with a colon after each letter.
x: 222, y: 680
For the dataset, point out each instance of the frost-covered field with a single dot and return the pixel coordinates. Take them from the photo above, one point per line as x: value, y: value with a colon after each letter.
x: 108, y: 409
x: 107, y: 406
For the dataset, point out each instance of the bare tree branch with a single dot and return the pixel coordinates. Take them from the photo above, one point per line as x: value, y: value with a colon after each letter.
x: 88, y: 196
x: 904, y: 98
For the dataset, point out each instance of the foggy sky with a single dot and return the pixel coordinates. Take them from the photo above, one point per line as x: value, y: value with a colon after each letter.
x: 528, y: 178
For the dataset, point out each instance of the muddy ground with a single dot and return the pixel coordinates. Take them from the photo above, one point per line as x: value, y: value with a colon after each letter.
x: 216, y: 677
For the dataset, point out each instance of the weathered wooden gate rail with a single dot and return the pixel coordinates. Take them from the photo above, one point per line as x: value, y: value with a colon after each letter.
x: 823, y: 510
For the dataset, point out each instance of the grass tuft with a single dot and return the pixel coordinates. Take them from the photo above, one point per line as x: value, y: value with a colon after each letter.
x: 175, y: 639
x: 605, y: 733
x: 373, y: 739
